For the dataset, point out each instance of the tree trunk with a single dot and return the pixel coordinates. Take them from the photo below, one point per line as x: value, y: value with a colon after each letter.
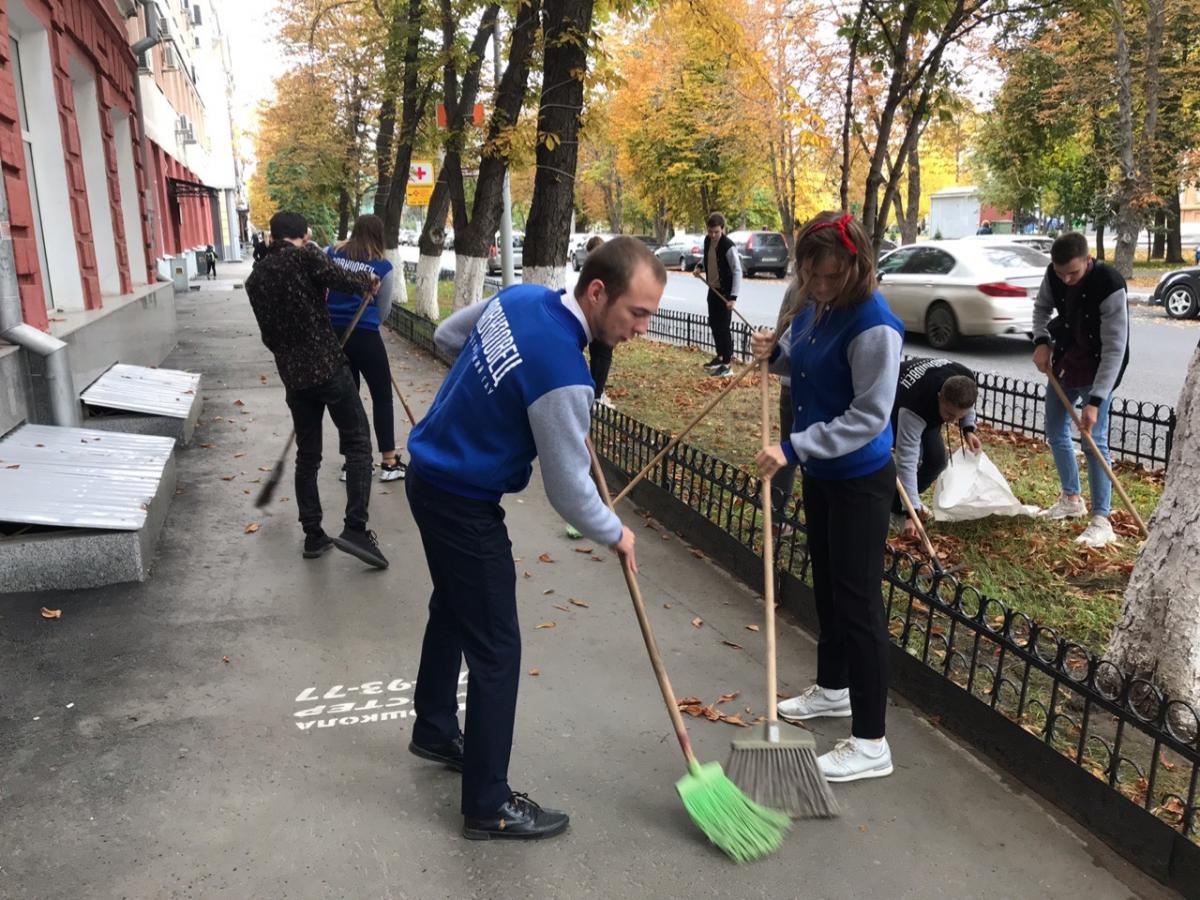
x: 1126, y: 220
x: 568, y: 30
x: 908, y: 224
x: 1100, y: 241
x: 412, y: 110
x: 1159, y: 247
x: 848, y: 103
x: 1174, y: 237
x: 473, y: 236
x: 343, y: 225
x: 1158, y: 635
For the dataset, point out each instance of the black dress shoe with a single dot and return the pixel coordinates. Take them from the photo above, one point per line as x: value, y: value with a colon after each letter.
x: 449, y: 754
x: 520, y: 819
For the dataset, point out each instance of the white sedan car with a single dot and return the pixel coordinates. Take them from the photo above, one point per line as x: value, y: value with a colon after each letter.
x: 947, y: 290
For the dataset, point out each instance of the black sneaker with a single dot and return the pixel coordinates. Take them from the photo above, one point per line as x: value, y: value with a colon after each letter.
x: 316, y: 545
x: 721, y: 371
x: 518, y: 819
x: 362, y: 544
x: 713, y: 363
x: 449, y: 754
x: 394, y: 472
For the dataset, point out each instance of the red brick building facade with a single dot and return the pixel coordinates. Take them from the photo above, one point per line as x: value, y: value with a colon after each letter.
x: 72, y: 43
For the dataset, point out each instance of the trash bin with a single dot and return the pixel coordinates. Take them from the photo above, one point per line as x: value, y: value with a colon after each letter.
x: 199, y: 261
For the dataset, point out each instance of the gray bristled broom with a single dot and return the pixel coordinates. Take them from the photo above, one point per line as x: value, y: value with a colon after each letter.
x: 778, y: 772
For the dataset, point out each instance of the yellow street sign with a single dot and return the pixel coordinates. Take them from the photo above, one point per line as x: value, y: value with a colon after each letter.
x: 418, y: 194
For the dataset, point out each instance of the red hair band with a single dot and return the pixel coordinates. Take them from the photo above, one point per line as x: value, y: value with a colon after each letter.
x: 840, y: 225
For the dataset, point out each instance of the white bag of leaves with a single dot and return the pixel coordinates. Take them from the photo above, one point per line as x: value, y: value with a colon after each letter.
x: 971, y: 487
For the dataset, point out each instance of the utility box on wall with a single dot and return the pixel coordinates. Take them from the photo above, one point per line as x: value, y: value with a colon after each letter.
x: 179, y: 273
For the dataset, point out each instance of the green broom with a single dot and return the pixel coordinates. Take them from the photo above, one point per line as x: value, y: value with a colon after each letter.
x: 779, y: 772
x: 740, y: 827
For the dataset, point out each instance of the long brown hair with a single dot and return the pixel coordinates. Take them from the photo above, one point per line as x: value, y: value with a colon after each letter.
x: 830, y: 235
x: 366, y: 240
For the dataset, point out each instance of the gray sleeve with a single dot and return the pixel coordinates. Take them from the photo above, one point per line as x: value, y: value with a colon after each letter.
x: 735, y: 264
x: 1114, y: 335
x: 967, y: 422
x: 1043, y: 310
x: 560, y: 420
x: 452, y: 334
x: 909, y: 429
x: 874, y: 369
x: 383, y: 297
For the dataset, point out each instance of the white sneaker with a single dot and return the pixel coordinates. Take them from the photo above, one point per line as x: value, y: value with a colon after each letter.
x: 1066, y: 508
x: 1099, y: 533
x: 604, y: 401
x: 816, y: 702
x: 852, y: 759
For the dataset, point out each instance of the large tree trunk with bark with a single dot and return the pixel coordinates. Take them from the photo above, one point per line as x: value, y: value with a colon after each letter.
x: 473, y: 237
x: 912, y: 215
x: 1158, y: 635
x: 1174, y: 237
x: 1125, y: 221
x: 568, y: 30
x: 848, y: 103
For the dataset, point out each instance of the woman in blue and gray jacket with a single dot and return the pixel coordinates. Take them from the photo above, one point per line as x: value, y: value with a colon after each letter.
x: 840, y: 344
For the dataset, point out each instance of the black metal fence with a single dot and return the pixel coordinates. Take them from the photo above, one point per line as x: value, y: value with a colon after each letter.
x: 1120, y: 729
x: 1138, y: 432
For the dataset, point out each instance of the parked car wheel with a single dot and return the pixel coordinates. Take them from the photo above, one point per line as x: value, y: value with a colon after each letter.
x: 576, y: 263
x: 941, y: 328
x: 682, y: 264
x: 1181, y: 302
x: 749, y: 273
x: 781, y: 273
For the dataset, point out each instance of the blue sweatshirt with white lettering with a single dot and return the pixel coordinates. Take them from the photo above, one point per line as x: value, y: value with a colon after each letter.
x: 343, y: 307
x: 519, y: 390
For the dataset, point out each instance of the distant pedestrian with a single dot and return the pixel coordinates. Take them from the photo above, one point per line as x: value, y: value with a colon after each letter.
x: 721, y: 268
x: 841, y: 348
x: 260, y: 247
x: 210, y: 262
x: 363, y: 252
x: 519, y: 389
x: 985, y: 227
x: 287, y: 293
x: 1081, y: 334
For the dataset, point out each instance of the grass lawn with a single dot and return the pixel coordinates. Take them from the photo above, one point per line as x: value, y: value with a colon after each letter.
x: 1030, y: 564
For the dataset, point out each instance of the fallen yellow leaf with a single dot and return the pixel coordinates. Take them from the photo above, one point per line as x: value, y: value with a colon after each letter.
x: 535, y: 672
x: 51, y: 613
x: 697, y: 621
x: 546, y: 625
x: 581, y: 603
x: 752, y: 628
x: 251, y: 528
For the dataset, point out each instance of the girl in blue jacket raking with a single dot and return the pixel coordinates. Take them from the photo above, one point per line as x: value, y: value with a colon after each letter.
x: 840, y: 344
x: 363, y: 252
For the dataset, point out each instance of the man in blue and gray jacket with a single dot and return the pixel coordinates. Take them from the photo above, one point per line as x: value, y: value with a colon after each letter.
x: 519, y: 389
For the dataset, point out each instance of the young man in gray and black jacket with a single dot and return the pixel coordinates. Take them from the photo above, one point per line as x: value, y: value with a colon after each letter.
x: 721, y: 268
x: 1081, y: 332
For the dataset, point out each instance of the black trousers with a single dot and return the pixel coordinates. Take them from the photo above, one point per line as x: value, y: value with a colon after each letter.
x: 308, y: 406
x: 720, y: 317
x: 368, y: 359
x: 784, y: 481
x: 472, y: 613
x: 933, y: 461
x: 600, y: 361
x: 847, y: 525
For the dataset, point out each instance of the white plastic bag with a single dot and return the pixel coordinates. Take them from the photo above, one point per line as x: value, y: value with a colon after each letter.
x: 971, y: 487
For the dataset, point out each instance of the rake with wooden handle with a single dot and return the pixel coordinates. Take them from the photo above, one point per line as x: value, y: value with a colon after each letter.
x: 1087, y: 436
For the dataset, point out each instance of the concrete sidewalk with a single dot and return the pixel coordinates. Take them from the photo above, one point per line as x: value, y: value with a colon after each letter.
x: 237, y: 725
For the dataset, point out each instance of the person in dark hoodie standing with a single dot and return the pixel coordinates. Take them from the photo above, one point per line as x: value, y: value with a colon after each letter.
x: 721, y: 268
x: 1081, y: 334
x: 519, y: 389
x: 287, y: 293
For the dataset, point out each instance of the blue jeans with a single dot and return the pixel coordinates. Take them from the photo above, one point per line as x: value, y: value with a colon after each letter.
x: 1058, y: 436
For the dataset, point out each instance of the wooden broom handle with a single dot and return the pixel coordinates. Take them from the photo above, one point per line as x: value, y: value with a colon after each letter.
x: 912, y: 514
x: 1087, y: 436
x: 682, y: 434
x: 639, y: 606
x: 768, y: 550
x: 408, y: 412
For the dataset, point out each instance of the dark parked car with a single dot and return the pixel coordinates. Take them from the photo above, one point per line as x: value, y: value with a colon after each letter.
x: 761, y: 251
x: 1179, y: 293
x: 683, y: 250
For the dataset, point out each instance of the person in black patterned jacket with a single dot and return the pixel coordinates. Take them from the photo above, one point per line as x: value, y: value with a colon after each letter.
x: 287, y: 293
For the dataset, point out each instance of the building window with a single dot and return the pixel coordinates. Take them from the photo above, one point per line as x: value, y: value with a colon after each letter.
x: 27, y: 142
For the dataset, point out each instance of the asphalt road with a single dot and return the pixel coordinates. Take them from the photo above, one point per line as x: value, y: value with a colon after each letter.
x: 1160, y: 348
